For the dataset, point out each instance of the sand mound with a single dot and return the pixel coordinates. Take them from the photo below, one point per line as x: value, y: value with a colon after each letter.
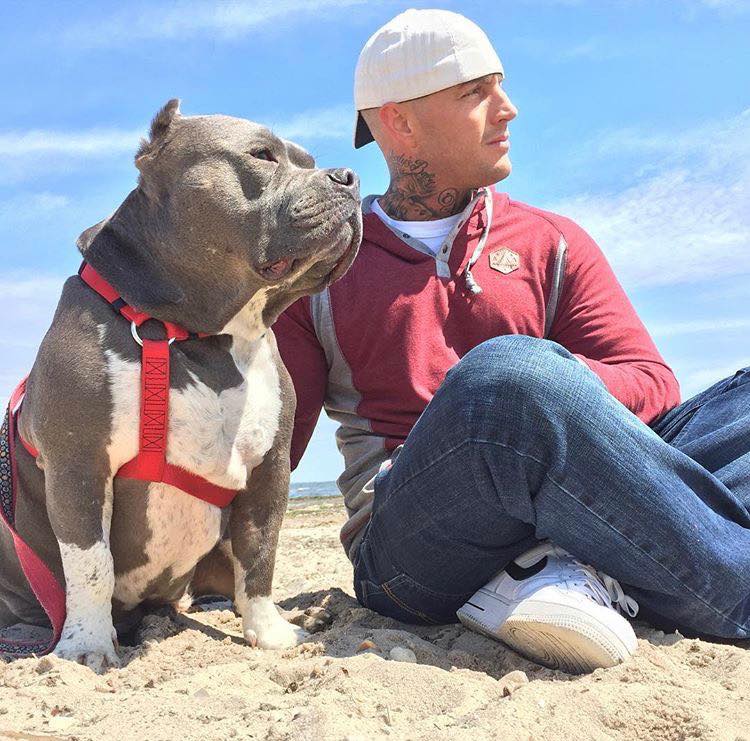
x: 191, y: 676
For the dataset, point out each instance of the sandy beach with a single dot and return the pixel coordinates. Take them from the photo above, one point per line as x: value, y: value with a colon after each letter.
x: 362, y: 676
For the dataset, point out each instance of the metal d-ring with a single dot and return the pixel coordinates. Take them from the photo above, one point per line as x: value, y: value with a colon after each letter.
x: 136, y: 337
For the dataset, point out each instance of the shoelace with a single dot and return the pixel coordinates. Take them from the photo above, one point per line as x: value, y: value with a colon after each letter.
x: 621, y: 601
x: 604, y: 589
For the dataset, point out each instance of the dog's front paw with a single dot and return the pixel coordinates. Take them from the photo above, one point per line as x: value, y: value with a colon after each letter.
x: 95, y: 651
x: 263, y: 627
x: 280, y: 635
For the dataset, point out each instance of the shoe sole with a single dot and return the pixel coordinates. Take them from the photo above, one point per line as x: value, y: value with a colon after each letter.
x: 553, y: 638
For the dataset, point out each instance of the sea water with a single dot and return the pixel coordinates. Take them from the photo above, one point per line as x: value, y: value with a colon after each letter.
x: 313, y: 489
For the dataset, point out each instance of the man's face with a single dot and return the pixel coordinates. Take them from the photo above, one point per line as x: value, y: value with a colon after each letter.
x: 462, y: 132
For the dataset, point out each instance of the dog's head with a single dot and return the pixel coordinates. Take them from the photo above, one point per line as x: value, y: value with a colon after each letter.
x: 227, y: 219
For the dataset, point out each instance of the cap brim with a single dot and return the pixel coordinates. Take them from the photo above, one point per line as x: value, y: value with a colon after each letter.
x: 362, y: 134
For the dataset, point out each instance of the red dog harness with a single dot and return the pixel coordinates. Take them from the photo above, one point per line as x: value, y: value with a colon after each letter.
x: 150, y: 464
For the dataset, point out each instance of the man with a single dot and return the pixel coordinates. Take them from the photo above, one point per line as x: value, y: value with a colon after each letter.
x: 506, y: 419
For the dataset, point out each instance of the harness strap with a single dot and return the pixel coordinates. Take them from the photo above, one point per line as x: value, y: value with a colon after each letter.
x: 182, y: 479
x: 150, y: 464
x: 46, y: 588
x: 95, y: 281
x: 152, y: 455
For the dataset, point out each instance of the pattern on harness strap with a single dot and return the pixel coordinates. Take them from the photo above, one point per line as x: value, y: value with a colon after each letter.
x: 11, y: 647
x: 6, y: 473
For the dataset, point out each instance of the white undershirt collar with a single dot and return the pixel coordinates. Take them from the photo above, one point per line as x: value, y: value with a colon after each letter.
x: 432, y: 233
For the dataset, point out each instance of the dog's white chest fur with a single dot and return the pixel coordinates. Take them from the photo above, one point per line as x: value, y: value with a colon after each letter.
x: 219, y: 436
x: 222, y: 437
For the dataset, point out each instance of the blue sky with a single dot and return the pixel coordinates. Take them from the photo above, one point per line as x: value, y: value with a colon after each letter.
x: 634, y: 120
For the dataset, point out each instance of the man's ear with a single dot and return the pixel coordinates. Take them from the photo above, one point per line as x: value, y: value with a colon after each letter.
x: 395, y: 120
x: 160, y: 126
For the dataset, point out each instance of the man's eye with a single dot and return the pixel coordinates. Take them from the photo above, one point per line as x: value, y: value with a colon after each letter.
x: 472, y: 91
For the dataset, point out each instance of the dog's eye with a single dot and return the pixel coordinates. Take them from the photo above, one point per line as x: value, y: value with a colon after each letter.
x: 264, y: 154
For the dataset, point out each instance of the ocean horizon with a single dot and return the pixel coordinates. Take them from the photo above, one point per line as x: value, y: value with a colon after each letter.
x: 313, y: 489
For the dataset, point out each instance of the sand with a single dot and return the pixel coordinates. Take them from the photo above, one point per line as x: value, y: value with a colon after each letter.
x: 189, y: 676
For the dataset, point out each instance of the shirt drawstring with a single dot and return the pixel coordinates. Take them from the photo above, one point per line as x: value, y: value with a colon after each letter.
x: 470, y: 280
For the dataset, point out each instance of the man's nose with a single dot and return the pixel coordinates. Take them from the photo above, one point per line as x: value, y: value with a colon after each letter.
x: 506, y: 111
x: 510, y: 110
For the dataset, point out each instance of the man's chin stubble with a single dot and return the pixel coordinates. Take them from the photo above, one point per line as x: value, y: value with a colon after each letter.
x: 503, y: 171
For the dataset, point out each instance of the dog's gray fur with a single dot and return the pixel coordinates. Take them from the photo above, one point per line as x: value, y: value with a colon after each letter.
x: 228, y: 226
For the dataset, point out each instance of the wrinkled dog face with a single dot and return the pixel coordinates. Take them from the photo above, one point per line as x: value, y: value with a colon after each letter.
x: 248, y: 207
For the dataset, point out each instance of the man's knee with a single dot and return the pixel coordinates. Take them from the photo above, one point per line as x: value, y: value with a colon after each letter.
x: 514, y: 366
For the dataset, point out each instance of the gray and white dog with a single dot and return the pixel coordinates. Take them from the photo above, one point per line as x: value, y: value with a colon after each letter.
x: 229, y: 225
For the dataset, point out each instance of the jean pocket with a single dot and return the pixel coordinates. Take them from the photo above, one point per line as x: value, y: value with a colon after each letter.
x: 405, y: 599
x: 673, y: 423
x: 740, y: 377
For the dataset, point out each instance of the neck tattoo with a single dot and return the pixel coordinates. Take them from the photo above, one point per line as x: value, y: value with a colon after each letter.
x: 413, y: 194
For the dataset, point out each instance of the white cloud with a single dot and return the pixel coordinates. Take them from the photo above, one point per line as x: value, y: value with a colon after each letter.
x: 41, y: 290
x: 736, y: 292
x: 721, y: 6
x: 28, y: 305
x: 328, y: 123
x: 674, y: 329
x: 24, y: 206
x: 727, y: 6
x: 686, y: 218
x: 595, y: 48
x: 85, y: 143
x: 563, y: 3
x: 25, y: 155
x: 699, y: 379
x: 325, y: 123
x: 183, y: 20
x: 732, y: 6
x: 710, y: 140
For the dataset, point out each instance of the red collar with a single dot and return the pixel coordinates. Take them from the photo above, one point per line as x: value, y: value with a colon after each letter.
x: 95, y: 281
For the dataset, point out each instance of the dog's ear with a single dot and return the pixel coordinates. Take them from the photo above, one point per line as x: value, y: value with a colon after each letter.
x: 130, y: 266
x: 298, y: 155
x: 162, y: 122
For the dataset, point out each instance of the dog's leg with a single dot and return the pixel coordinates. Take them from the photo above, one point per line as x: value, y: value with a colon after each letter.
x: 254, y: 525
x: 214, y: 573
x: 80, y: 512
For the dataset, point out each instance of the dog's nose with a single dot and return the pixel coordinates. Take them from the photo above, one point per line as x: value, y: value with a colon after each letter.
x: 343, y: 176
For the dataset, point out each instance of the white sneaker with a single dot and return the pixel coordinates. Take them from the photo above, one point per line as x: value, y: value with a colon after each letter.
x: 555, y: 611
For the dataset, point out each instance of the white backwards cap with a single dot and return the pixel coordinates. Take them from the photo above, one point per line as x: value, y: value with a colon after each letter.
x: 417, y: 53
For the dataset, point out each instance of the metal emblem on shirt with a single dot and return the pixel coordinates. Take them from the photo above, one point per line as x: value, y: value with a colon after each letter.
x: 504, y: 260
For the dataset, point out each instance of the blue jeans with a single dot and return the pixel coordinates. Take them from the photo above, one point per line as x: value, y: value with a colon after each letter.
x: 522, y: 443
